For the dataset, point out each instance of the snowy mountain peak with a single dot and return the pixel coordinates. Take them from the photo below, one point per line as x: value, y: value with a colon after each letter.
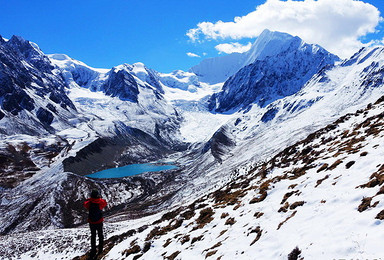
x: 30, y: 52
x: 281, y: 66
x: 269, y: 43
x: 15, y: 39
x: 63, y: 61
x: 139, y: 65
x: 25, y: 46
x: 140, y: 70
x: 366, y: 53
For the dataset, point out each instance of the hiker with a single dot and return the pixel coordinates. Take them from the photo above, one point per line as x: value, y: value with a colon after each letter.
x: 95, y: 204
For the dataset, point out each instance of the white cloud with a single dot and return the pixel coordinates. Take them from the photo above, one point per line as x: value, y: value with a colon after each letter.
x: 336, y: 25
x: 233, y: 47
x: 193, y: 55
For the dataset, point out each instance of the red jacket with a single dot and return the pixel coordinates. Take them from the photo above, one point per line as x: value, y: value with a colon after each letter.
x: 102, y: 203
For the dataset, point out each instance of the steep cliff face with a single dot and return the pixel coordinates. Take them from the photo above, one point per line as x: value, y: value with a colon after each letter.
x: 32, y: 97
x: 268, y: 44
x: 281, y: 72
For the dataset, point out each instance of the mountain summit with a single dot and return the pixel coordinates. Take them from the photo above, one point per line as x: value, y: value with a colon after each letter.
x: 269, y: 43
x: 279, y: 66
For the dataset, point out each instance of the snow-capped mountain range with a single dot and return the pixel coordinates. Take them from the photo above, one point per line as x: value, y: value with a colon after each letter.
x: 244, y: 129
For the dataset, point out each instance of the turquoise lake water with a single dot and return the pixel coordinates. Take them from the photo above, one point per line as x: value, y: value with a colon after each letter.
x: 130, y: 170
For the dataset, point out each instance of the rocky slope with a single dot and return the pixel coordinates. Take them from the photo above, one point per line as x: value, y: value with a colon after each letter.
x: 321, y: 196
x: 33, y: 98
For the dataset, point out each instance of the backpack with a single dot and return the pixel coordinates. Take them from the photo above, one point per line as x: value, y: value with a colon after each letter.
x: 95, y: 213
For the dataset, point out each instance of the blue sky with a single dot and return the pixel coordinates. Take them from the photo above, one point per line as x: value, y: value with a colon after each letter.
x: 105, y: 33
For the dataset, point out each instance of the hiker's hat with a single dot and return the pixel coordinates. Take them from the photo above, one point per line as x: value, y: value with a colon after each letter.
x: 94, y: 194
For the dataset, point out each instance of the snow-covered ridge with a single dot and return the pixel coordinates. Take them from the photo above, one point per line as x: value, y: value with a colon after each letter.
x: 33, y: 98
x: 263, y: 131
x: 281, y: 66
x: 219, y: 69
x: 299, y: 198
x: 64, y: 61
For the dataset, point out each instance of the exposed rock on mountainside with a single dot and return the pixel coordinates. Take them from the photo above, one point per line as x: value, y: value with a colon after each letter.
x: 272, y: 77
x: 268, y: 44
x: 32, y: 96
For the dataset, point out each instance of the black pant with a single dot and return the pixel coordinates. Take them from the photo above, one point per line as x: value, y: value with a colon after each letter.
x: 99, y: 229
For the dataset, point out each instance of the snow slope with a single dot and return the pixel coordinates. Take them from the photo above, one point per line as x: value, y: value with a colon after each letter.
x: 323, y: 195
x: 32, y: 97
x: 261, y: 132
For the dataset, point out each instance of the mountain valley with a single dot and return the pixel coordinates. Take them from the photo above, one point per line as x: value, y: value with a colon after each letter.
x: 278, y: 152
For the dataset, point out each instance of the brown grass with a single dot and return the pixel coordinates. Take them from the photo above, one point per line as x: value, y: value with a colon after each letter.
x: 222, y: 232
x: 157, y: 231
x: 263, y: 195
x: 224, y: 215
x: 167, y: 242
x: 211, y: 253
x: 188, y: 214
x: 137, y: 257
x: 321, y: 181
x: 323, y: 167
x: 287, y: 195
x: 284, y: 208
x: 132, y: 250
x: 296, y: 204
x: 335, y: 164
x: 225, y: 197
x: 185, y: 239
x: 205, y: 217
x: 173, y: 256
x: 195, y: 239
x: 258, y: 214
x: 218, y: 244
x: 376, y: 179
x: 258, y: 232
x: 285, y: 221
x: 230, y: 221
x: 365, y: 204
x: 349, y: 164
x: 380, y: 215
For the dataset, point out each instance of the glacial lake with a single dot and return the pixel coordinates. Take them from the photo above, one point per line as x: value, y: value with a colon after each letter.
x: 132, y: 169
